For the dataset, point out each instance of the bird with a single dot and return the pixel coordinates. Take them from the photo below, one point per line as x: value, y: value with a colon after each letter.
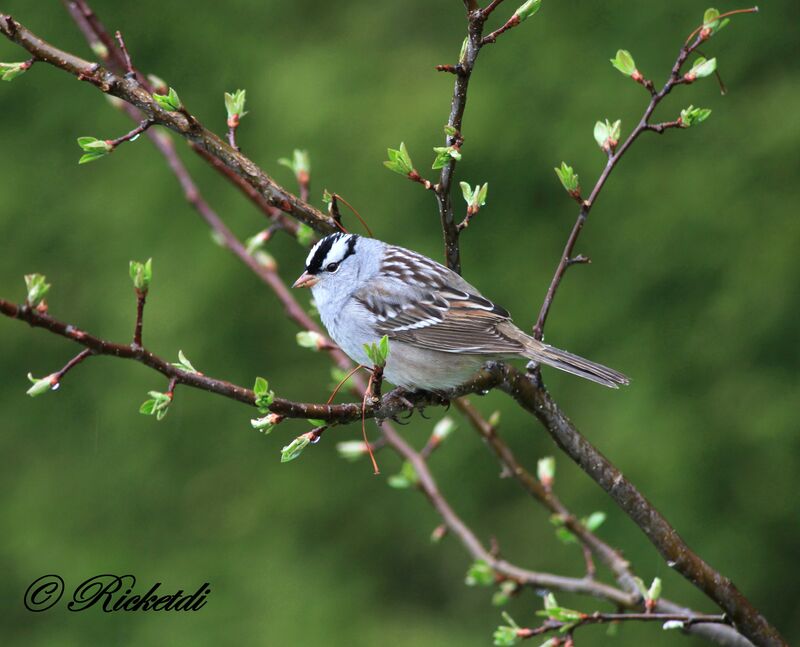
x: 441, y: 329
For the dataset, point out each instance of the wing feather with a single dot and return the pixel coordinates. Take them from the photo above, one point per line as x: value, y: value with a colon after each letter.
x: 422, y: 303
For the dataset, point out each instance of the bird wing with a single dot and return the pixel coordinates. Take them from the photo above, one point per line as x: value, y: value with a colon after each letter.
x: 419, y: 302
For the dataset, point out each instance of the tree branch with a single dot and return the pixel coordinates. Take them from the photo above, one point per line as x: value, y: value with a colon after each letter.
x: 181, y: 122
x: 613, y: 159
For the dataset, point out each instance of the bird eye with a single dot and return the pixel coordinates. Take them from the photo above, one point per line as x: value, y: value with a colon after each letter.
x: 332, y: 267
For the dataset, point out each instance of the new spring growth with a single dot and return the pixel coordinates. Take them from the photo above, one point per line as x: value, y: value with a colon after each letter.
x: 711, y: 23
x: 234, y: 105
x: 591, y: 523
x: 444, y: 428
x: 263, y: 396
x: 444, y: 154
x: 377, y: 353
x: 624, y: 62
x: 42, y: 384
x: 93, y: 149
x: 184, y: 364
x: 170, y: 101
x: 266, y: 423
x: 653, y: 595
x: 399, y: 160
x: 569, y: 179
x: 37, y: 287
x: 504, y: 593
x: 527, y: 9
x: 300, y: 165
x: 296, y: 447
x: 475, y: 198
x: 700, y: 69
x: 509, y: 634
x: 305, y: 235
x: 691, y: 116
x: 607, y: 134
x: 351, y: 450
x: 157, y: 405
x: 10, y: 71
x: 405, y: 478
x: 141, y: 275
x: 546, y: 471
x: 479, y: 574
x: 558, y: 613
x: 310, y: 339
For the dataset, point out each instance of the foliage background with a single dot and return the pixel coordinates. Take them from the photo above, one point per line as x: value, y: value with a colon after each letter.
x: 693, y: 292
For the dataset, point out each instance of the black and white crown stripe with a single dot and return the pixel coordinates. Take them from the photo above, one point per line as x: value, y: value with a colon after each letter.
x: 331, y: 249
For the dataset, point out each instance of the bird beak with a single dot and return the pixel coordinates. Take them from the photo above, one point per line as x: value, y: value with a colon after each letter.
x: 305, y: 280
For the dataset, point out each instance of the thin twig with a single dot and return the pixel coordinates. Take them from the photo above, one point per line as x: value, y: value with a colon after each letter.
x: 586, y: 205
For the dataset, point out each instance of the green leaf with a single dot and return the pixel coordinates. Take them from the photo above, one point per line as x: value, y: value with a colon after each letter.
x: 607, y: 134
x: 184, y: 364
x: 37, y: 288
x: 546, y: 470
x: 466, y: 191
x: 479, y: 574
x: 265, y: 424
x: 450, y: 131
x: 147, y: 407
x: 528, y: 9
x: 568, y: 177
x: 482, y: 194
x: 444, y: 428
x: 234, y: 105
x: 399, y: 160
x: 377, y: 353
x: 565, y: 536
x: 305, y: 234
x: 654, y: 592
x: 94, y: 145
x: 554, y: 611
x: 158, y: 405
x: 443, y: 156
x: 624, y: 62
x: 712, y: 22
x: 264, y: 397
x: 506, y: 635
x: 691, y: 116
x: 351, y: 450
x: 295, y: 448
x: 702, y: 68
x: 594, y: 520
x: 170, y: 101
x: 405, y: 478
x: 476, y: 197
x: 141, y: 274
x: 10, y: 71
x: 310, y: 339
x: 90, y: 157
x: 463, y: 53
x: 300, y: 164
x: 94, y: 149
x: 504, y: 593
x: 42, y: 385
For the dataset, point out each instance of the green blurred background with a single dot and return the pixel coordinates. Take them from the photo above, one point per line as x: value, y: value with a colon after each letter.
x: 692, y: 292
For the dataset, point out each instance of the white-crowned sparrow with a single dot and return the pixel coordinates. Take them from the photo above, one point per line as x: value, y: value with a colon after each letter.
x: 441, y: 329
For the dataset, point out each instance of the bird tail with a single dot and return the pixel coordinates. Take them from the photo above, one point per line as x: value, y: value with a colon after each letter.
x: 564, y: 361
